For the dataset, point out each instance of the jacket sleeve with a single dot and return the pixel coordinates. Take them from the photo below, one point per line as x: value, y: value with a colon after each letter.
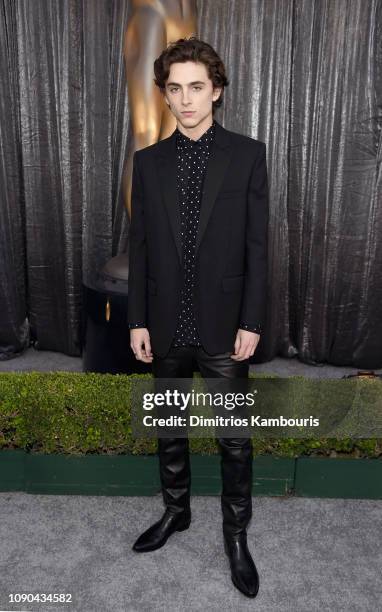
x: 253, y: 309
x: 136, y: 284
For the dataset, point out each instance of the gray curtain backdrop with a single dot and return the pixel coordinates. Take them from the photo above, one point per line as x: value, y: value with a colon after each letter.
x: 305, y: 78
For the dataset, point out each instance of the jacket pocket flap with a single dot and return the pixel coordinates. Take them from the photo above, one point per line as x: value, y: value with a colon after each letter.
x: 233, y: 283
x: 231, y: 193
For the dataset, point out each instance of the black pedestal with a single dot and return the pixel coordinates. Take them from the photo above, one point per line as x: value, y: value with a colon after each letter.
x: 106, y: 336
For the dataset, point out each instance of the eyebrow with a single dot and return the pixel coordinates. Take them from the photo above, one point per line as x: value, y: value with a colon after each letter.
x: 192, y: 83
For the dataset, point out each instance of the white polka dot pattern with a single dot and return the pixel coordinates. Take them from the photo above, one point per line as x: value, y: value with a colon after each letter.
x: 192, y: 158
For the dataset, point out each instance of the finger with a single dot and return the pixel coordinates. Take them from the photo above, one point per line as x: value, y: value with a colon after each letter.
x: 254, y: 348
x: 146, y: 359
x: 138, y: 352
x: 148, y: 348
x: 237, y: 344
x: 245, y: 351
x: 250, y: 352
x: 145, y: 352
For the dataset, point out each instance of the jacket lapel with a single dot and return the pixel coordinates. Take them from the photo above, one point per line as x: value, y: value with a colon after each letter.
x: 217, y: 165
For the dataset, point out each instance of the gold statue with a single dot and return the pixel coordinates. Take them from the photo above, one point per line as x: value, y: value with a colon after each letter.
x: 153, y: 25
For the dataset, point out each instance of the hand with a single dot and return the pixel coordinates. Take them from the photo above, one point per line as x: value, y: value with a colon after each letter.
x: 139, y: 337
x: 245, y: 344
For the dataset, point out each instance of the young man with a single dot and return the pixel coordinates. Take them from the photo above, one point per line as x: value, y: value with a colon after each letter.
x: 198, y: 277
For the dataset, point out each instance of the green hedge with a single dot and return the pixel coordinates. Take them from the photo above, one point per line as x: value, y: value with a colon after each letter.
x: 79, y: 413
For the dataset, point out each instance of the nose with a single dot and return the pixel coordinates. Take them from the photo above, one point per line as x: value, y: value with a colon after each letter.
x: 185, y: 98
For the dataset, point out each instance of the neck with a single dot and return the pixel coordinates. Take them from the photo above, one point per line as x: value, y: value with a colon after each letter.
x: 195, y: 132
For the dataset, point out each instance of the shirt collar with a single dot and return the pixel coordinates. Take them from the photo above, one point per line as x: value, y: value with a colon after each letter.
x: 206, y: 137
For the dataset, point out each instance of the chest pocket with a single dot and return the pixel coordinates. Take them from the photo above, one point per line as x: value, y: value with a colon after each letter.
x: 231, y: 193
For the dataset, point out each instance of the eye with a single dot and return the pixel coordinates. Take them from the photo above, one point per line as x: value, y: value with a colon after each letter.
x: 173, y: 89
x: 197, y: 87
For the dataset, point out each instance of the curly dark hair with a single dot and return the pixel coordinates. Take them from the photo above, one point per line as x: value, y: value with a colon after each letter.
x: 194, y: 50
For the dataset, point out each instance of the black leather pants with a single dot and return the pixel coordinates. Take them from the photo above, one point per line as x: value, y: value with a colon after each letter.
x: 236, y: 453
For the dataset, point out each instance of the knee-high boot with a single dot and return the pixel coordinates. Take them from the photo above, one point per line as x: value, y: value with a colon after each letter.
x: 236, y: 472
x: 175, y: 473
x: 236, y: 503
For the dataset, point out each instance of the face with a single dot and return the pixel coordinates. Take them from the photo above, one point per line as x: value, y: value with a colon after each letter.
x: 189, y: 88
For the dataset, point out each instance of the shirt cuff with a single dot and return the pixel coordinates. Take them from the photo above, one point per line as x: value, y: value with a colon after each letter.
x: 257, y: 329
x: 136, y: 325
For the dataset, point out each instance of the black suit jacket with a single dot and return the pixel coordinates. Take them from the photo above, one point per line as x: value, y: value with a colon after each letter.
x: 231, y: 244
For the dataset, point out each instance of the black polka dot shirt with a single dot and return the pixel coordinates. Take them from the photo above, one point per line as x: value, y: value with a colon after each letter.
x: 192, y: 159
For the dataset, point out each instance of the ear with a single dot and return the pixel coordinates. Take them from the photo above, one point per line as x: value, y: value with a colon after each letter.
x: 216, y: 93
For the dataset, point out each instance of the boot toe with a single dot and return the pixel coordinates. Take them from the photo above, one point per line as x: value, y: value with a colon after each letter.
x: 157, y: 535
x: 243, y: 569
x: 247, y: 583
x: 149, y: 540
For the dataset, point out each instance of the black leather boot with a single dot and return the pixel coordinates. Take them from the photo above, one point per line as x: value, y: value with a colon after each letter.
x: 156, y: 535
x: 236, y: 502
x: 243, y: 569
x: 175, y: 475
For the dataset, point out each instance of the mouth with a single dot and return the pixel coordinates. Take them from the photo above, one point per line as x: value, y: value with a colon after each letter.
x: 187, y: 113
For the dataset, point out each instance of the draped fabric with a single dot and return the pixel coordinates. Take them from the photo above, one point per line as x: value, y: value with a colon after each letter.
x: 305, y: 77
x: 64, y: 127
